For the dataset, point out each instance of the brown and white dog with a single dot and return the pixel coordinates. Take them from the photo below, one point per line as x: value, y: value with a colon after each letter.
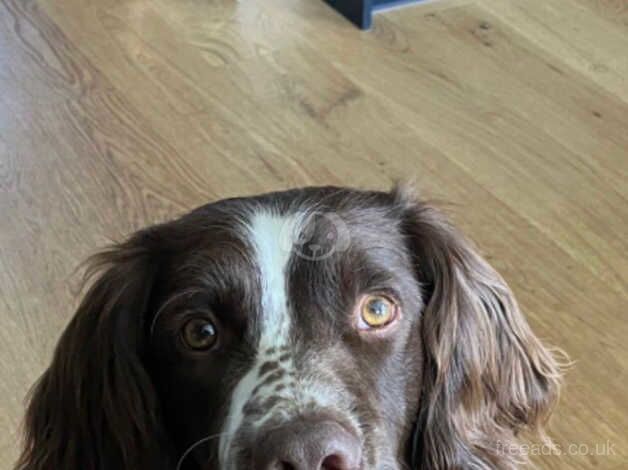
x: 317, y: 328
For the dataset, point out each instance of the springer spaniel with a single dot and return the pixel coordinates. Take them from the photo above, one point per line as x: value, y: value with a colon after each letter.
x: 312, y: 329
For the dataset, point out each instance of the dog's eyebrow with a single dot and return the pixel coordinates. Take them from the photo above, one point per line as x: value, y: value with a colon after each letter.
x: 385, y: 289
x: 170, y: 300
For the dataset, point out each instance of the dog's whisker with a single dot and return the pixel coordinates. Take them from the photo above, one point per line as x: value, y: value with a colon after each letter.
x: 201, y: 441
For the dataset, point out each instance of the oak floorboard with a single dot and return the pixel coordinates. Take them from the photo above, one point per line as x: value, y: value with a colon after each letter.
x: 511, y: 115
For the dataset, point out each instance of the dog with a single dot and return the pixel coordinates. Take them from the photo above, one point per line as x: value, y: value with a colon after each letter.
x: 320, y: 328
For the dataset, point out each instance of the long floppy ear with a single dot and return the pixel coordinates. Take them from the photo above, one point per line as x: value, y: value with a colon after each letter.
x: 487, y: 377
x: 95, y: 407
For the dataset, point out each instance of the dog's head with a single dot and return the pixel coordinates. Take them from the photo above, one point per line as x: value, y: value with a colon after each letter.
x: 320, y: 328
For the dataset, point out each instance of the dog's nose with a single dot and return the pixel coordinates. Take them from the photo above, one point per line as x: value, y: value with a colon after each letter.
x: 308, y: 445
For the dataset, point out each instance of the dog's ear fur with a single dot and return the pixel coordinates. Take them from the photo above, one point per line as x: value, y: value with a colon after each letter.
x: 95, y: 407
x: 487, y: 377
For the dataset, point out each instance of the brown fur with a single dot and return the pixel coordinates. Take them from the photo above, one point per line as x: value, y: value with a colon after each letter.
x: 487, y: 376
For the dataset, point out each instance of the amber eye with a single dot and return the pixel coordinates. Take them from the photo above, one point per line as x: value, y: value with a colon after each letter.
x: 199, y: 334
x: 377, y: 311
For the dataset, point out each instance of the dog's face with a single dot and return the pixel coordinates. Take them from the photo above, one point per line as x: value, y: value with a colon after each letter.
x: 321, y: 328
x: 289, y: 330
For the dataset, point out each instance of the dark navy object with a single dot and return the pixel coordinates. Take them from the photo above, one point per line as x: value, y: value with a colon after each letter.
x: 360, y: 12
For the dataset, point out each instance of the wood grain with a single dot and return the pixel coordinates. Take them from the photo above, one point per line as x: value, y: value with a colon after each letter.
x: 119, y: 113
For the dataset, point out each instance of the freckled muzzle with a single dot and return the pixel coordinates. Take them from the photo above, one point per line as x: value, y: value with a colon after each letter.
x: 297, y: 417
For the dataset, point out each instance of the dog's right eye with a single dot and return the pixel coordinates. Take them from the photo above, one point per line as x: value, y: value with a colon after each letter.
x: 199, y: 334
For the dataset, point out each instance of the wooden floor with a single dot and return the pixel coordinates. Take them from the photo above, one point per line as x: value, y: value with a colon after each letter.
x: 116, y: 113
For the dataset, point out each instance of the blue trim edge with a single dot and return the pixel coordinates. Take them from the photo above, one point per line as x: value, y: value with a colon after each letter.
x: 360, y: 12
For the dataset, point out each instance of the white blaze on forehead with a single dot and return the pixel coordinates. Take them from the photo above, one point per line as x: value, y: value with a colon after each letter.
x: 267, y: 234
x: 272, y: 255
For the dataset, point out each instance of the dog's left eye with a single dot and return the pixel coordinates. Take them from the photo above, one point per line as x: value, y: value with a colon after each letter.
x: 377, y: 311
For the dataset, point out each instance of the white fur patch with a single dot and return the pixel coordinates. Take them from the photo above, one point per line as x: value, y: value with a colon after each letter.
x: 267, y: 234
